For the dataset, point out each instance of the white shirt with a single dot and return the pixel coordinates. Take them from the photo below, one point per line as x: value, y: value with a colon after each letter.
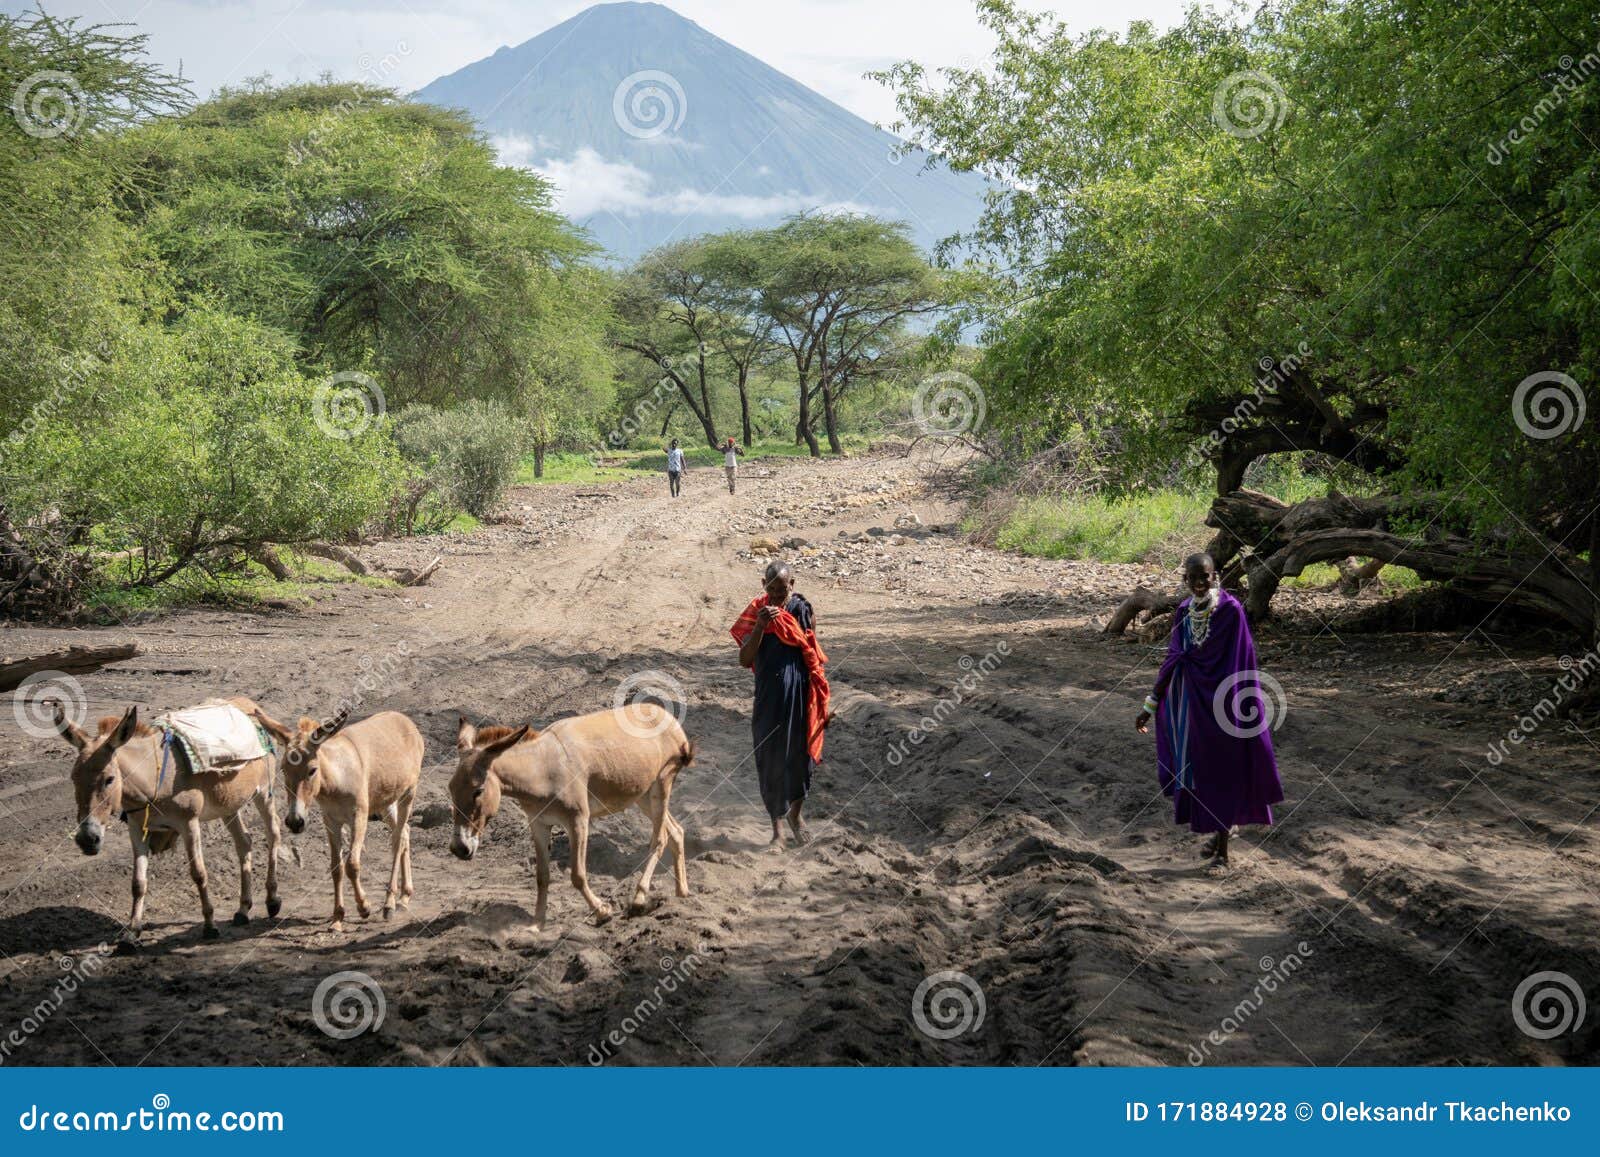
x: 731, y: 458
x: 675, y: 460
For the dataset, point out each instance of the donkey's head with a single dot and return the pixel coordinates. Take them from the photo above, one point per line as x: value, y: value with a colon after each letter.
x: 474, y: 788
x: 301, y: 760
x: 96, y: 775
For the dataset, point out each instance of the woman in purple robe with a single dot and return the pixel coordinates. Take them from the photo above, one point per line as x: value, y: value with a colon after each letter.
x: 1214, y: 711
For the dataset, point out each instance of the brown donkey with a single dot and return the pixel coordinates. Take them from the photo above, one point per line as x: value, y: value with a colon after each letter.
x: 368, y: 770
x: 118, y: 771
x: 577, y: 768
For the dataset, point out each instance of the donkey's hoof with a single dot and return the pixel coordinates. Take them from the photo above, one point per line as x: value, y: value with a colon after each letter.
x: 240, y: 919
x: 388, y: 911
x: 274, y: 906
x: 602, y: 915
x: 211, y: 932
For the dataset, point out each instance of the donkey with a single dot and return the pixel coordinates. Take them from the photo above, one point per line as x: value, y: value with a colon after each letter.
x: 118, y: 771
x: 588, y: 765
x: 368, y: 770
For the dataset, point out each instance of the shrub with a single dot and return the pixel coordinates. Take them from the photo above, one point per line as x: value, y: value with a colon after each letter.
x: 465, y: 458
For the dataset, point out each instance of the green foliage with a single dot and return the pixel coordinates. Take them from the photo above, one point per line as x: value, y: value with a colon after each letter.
x: 467, y: 456
x: 1347, y: 226
x: 1162, y: 527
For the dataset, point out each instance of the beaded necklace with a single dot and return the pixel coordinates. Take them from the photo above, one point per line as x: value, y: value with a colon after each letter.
x: 1200, y: 617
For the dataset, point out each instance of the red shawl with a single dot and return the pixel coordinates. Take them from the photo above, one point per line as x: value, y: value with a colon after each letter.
x: 787, y: 630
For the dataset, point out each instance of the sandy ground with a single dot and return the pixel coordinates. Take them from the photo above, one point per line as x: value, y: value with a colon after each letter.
x: 1015, y: 838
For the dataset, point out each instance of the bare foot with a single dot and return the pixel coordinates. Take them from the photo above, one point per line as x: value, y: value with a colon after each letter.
x: 802, y: 834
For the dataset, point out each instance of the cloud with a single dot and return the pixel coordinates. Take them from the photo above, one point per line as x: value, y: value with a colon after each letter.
x: 588, y: 183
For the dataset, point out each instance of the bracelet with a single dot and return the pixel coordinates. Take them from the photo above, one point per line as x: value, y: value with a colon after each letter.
x: 1150, y: 704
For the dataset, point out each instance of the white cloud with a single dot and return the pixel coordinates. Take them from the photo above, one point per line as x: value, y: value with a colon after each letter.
x: 588, y: 183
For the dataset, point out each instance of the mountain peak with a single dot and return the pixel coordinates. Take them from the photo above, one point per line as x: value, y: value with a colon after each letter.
x: 654, y: 129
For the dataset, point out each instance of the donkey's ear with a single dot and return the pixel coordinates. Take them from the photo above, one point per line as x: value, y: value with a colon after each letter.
x: 126, y: 726
x: 275, y: 729
x: 510, y: 741
x: 332, y: 727
x: 67, y: 729
x: 466, y: 733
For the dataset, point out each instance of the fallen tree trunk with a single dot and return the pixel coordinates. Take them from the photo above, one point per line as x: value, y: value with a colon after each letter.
x: 1554, y: 586
x: 72, y: 661
x: 1142, y: 599
x: 335, y: 553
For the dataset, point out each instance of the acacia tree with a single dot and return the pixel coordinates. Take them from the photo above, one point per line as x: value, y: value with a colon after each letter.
x: 839, y: 288
x: 666, y: 315
x: 1333, y: 228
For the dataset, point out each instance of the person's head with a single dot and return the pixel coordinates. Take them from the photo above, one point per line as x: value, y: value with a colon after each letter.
x: 674, y: 443
x: 779, y: 581
x: 729, y: 441
x: 1199, y: 574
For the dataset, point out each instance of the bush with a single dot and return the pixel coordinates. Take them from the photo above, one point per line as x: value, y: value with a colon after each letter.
x: 183, y: 443
x: 464, y: 458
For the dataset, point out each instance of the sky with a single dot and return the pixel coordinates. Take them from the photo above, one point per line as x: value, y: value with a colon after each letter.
x: 407, y: 43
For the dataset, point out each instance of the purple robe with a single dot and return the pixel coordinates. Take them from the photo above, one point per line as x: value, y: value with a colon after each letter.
x: 1213, y: 739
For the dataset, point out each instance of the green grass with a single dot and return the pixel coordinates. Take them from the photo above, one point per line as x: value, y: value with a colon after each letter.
x: 250, y: 589
x: 1325, y: 574
x: 1161, y: 527
x: 619, y: 464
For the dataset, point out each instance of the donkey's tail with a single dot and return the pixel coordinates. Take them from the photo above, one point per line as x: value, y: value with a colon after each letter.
x: 681, y: 759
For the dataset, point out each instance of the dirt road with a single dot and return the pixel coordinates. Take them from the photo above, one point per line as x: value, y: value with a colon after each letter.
x: 985, y: 809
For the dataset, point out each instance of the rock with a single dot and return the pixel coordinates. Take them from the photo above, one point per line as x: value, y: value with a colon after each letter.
x: 876, y: 531
x: 908, y: 519
x: 794, y: 542
x: 763, y: 546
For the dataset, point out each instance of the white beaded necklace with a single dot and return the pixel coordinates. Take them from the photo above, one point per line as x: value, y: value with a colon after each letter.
x: 1200, y: 617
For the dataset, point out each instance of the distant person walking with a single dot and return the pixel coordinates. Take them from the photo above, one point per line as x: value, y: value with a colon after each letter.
x: 1214, y: 753
x: 674, y: 467
x: 730, y: 462
x: 778, y: 640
